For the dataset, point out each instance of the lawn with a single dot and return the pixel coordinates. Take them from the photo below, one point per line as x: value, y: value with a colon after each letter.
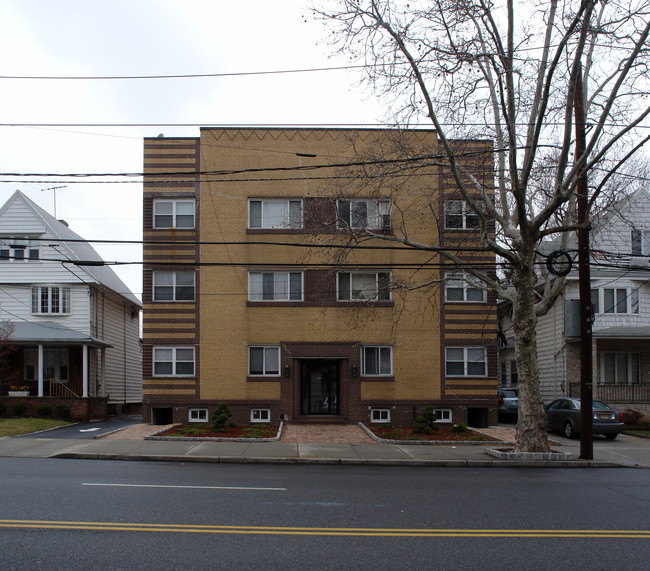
x: 17, y: 426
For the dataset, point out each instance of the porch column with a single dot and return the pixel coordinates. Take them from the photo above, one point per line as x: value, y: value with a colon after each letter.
x: 84, y: 368
x: 103, y: 372
x: 39, y: 368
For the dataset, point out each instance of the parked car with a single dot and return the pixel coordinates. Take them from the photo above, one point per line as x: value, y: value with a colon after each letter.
x: 508, y: 403
x: 564, y: 416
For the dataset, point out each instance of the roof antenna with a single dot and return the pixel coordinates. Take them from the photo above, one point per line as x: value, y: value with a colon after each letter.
x: 54, y: 188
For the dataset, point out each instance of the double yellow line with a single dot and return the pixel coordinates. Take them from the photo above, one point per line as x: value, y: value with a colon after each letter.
x: 326, y: 531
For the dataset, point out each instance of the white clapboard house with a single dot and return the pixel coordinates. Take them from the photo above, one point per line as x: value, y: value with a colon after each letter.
x: 620, y: 295
x: 73, y: 325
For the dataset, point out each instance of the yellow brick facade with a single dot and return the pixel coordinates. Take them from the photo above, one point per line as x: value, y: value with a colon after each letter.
x: 319, y: 336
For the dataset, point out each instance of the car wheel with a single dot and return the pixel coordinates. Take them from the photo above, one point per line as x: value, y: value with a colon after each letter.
x: 611, y: 436
x: 569, y: 432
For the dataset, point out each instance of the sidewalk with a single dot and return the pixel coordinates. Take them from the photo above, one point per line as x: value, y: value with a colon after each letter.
x: 304, y: 444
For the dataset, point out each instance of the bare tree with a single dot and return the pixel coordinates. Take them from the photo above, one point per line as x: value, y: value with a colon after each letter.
x: 508, y: 71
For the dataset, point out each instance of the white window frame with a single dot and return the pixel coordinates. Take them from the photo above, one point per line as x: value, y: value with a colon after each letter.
x: 377, y: 361
x: 257, y: 283
x: 377, y: 213
x: 265, y: 372
x: 347, y: 293
x: 467, y: 352
x: 51, y: 300
x: 10, y: 248
x: 175, y: 361
x: 197, y: 415
x: 632, y: 367
x: 380, y: 415
x: 443, y: 415
x: 467, y: 285
x: 640, y: 242
x: 260, y: 415
x: 468, y: 219
x: 175, y: 203
x: 288, y: 222
x: 624, y: 299
x: 157, y: 275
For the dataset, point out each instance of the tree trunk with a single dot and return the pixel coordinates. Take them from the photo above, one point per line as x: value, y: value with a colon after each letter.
x: 532, y: 423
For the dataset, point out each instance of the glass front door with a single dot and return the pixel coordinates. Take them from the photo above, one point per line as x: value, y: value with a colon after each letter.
x: 319, y: 387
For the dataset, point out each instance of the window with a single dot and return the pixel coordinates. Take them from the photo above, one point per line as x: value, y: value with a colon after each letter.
x: 275, y: 286
x: 514, y: 377
x: 18, y: 250
x: 463, y: 288
x: 173, y: 361
x: 198, y: 415
x: 260, y: 415
x: 273, y: 214
x: 363, y: 213
x: 173, y: 214
x: 380, y: 415
x: 364, y: 286
x: 459, y: 215
x: 442, y: 414
x: 173, y: 286
x: 619, y: 368
x: 51, y: 300
x: 615, y: 300
x: 377, y: 360
x: 504, y: 373
x: 264, y: 361
x: 640, y: 242
x: 466, y: 361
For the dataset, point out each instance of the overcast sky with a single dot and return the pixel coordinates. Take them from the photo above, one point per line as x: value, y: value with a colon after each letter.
x: 90, y: 38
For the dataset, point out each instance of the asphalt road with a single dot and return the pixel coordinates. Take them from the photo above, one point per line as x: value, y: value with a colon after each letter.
x: 68, y: 514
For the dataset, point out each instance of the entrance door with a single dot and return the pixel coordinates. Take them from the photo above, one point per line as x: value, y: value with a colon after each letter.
x: 319, y: 387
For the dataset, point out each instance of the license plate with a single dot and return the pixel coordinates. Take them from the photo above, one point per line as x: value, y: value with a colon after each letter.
x: 603, y: 417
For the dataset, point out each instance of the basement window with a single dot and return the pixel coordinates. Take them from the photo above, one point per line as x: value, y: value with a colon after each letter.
x: 380, y: 415
x: 260, y: 415
x: 198, y: 415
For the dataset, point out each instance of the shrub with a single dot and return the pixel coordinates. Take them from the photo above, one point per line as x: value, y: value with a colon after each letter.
x: 459, y: 427
x: 19, y: 408
x: 43, y: 409
x: 3, y: 408
x: 220, y: 416
x: 62, y: 411
x: 630, y: 416
x: 426, y: 422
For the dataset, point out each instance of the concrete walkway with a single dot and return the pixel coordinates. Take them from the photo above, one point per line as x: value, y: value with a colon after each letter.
x: 319, y: 444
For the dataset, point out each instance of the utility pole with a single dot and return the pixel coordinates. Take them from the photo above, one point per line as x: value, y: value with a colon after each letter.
x: 584, y: 278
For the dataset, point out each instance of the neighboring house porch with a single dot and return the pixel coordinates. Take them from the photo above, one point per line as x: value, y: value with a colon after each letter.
x: 621, y: 367
x: 55, y: 361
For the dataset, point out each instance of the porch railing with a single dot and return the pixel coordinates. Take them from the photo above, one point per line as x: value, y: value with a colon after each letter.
x: 616, y: 393
x: 59, y: 389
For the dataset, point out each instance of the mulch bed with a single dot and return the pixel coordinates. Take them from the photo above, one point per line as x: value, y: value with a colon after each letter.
x: 200, y: 430
x: 443, y: 434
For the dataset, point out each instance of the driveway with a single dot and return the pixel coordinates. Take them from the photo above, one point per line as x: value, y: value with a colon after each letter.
x: 88, y: 429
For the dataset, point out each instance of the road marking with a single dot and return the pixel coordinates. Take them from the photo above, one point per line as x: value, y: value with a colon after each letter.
x: 88, y: 429
x: 186, y: 487
x: 329, y: 531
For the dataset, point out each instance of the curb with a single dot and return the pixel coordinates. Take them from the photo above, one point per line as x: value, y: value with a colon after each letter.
x: 343, y: 461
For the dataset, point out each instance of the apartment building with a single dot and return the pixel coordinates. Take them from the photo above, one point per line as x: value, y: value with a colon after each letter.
x: 271, y: 281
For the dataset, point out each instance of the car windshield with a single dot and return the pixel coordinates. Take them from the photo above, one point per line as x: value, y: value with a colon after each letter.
x: 596, y: 405
x: 509, y: 393
x: 600, y: 405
